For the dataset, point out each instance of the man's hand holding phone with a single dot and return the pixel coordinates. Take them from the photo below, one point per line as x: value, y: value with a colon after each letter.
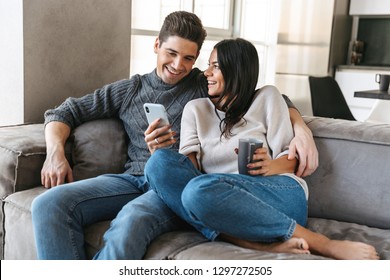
x: 158, y: 134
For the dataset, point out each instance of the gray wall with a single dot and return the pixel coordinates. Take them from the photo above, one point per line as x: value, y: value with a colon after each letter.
x: 54, y: 49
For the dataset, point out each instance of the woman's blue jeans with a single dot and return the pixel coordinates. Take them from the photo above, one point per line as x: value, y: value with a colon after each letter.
x: 254, y: 208
x: 138, y: 216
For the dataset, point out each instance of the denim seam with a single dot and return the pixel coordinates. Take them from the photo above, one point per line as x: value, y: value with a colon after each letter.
x: 232, y: 181
x: 162, y: 223
x: 291, y: 230
x: 211, y: 236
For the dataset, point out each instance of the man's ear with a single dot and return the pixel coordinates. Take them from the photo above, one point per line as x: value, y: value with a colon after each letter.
x: 156, y: 45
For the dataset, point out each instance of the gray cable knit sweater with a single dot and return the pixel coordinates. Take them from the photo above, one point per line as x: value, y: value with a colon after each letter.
x: 124, y: 100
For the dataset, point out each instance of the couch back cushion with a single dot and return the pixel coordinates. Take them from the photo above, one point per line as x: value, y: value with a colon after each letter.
x: 352, y: 182
x: 98, y: 147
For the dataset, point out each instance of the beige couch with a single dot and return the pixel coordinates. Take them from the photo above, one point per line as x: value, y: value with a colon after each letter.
x: 349, y: 193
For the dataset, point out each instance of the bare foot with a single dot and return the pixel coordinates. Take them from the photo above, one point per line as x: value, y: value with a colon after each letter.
x: 336, y: 249
x: 292, y: 246
x: 350, y: 250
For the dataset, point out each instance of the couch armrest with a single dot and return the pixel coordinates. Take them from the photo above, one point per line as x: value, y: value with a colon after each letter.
x: 22, y: 153
x: 94, y: 148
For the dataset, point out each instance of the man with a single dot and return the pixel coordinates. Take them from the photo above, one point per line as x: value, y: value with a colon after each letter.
x: 137, y: 214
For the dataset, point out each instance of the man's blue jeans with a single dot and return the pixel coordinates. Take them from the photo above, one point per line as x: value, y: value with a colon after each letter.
x: 254, y: 208
x: 60, y: 214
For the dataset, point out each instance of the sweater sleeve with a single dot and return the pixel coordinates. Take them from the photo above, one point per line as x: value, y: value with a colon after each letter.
x: 105, y: 102
x: 189, y: 140
x: 279, y: 129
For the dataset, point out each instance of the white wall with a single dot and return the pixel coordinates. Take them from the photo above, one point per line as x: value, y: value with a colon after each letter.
x: 11, y: 62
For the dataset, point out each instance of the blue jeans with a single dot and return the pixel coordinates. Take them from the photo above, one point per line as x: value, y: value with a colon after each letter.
x: 254, y: 208
x: 138, y: 216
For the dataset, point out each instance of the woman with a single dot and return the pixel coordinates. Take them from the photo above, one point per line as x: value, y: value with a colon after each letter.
x: 266, y: 210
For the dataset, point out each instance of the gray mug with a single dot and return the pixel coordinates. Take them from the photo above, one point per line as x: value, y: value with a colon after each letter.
x: 246, y: 149
x: 383, y: 81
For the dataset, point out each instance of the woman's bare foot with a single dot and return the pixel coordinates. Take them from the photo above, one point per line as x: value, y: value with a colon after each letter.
x: 292, y: 246
x: 350, y: 250
x: 336, y: 249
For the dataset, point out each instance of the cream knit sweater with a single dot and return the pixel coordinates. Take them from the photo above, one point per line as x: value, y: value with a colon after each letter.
x: 267, y: 119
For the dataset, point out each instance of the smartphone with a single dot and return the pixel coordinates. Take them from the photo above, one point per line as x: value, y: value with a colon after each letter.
x: 156, y: 111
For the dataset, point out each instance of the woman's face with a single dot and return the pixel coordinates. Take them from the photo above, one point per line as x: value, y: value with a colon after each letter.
x: 215, y: 80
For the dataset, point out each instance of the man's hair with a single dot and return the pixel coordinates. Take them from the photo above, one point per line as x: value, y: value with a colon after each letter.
x: 185, y: 25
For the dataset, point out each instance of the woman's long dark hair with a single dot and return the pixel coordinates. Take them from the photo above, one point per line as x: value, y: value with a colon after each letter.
x: 239, y: 64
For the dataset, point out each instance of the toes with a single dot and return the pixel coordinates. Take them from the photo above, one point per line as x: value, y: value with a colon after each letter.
x: 302, y: 244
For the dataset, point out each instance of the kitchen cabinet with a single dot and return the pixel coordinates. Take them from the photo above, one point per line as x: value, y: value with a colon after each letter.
x: 351, y: 79
x: 372, y: 7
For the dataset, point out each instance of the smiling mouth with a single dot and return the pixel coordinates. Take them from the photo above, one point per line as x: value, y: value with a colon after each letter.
x: 172, y: 71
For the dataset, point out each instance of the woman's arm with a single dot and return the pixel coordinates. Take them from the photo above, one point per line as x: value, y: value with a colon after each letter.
x: 273, y: 157
x: 267, y: 166
x: 192, y: 157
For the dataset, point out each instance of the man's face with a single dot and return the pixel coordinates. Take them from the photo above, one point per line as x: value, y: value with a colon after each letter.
x: 175, y: 58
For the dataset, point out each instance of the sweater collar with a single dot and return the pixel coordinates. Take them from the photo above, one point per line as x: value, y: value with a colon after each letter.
x: 157, y: 83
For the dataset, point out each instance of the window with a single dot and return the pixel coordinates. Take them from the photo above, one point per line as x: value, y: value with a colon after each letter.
x: 254, y: 20
x: 259, y: 24
x: 216, y: 15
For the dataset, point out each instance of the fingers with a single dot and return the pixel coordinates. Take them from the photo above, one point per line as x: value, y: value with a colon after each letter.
x: 260, y: 164
x: 309, y: 170
x: 159, y: 137
x: 304, y: 146
x: 46, y: 180
x: 308, y: 163
x: 60, y: 180
x: 153, y: 132
x: 54, y: 176
x: 52, y: 180
x: 70, y: 178
x: 292, y: 152
x: 304, y: 169
x: 259, y: 168
x: 162, y: 141
x: 260, y: 155
x: 301, y: 167
x: 152, y: 127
